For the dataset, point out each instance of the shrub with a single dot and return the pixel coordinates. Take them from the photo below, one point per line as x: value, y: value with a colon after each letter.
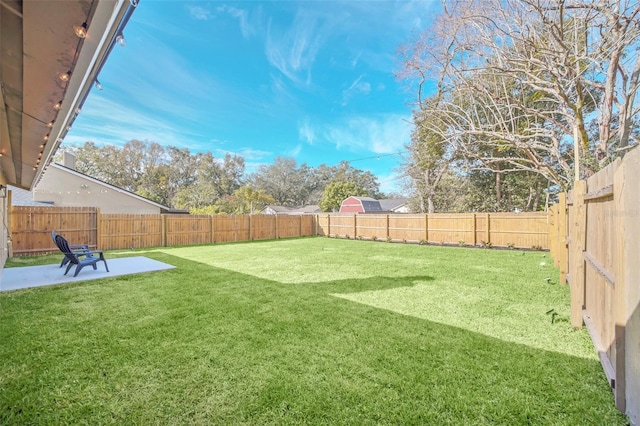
x: 486, y: 244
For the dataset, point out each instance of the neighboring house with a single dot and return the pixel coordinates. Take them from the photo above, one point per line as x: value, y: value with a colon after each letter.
x: 63, y: 186
x: 360, y: 205
x: 395, y: 205
x: 24, y: 198
x: 310, y: 209
x: 371, y: 205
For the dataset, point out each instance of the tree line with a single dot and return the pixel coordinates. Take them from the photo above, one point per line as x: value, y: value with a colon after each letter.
x: 204, y: 184
x: 517, y: 99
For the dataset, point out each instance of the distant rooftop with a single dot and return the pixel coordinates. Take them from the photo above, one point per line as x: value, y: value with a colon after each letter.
x: 22, y: 197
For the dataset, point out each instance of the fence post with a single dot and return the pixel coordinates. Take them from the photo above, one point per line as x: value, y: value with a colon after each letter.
x: 277, y: 230
x: 475, y: 230
x: 624, y: 234
x: 388, y: 234
x: 426, y: 228
x: 300, y: 226
x: 355, y: 225
x: 577, y: 248
x: 213, y: 228
x: 251, y: 229
x: 488, y: 229
x: 164, y: 230
x: 552, y: 230
x: 99, y: 230
x: 329, y: 225
x: 563, y: 252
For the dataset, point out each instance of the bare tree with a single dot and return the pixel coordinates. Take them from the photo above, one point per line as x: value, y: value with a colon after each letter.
x: 518, y: 79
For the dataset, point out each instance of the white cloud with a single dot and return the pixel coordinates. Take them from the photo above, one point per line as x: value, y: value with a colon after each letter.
x: 249, y: 154
x: 356, y: 88
x: 293, y: 51
x: 354, y: 61
x: 295, y: 151
x: 108, y: 122
x: 306, y: 133
x: 248, y: 30
x: 381, y: 134
x: 200, y: 13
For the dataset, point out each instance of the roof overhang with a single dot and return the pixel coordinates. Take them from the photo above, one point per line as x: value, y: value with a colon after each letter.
x: 37, y: 45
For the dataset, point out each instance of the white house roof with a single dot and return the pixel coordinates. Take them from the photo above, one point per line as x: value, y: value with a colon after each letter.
x: 391, y: 204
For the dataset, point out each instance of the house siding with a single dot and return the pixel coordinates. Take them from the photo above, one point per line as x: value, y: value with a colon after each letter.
x: 66, y: 189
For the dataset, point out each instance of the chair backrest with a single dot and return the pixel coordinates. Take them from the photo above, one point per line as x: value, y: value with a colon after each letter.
x: 63, y: 245
x: 53, y: 237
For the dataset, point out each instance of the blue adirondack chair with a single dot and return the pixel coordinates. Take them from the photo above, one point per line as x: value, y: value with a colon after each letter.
x: 79, y: 258
x: 73, y: 247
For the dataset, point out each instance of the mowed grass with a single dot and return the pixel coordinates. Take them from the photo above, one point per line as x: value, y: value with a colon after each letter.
x: 304, y: 331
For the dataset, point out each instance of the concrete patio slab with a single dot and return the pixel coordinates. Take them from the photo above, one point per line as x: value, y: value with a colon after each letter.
x: 38, y: 276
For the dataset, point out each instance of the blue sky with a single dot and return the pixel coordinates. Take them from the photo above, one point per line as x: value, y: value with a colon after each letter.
x: 309, y: 80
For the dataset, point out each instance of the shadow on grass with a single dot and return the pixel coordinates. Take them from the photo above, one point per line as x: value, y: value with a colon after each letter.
x: 200, y: 344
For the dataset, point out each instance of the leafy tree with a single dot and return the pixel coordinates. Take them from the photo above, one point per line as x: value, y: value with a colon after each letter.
x: 170, y: 176
x: 429, y: 157
x: 288, y: 184
x: 337, y: 192
x: 245, y: 200
x: 345, y: 172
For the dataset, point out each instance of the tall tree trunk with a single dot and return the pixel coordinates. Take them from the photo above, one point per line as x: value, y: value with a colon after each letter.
x: 430, y: 203
x: 536, y: 201
x: 498, y: 189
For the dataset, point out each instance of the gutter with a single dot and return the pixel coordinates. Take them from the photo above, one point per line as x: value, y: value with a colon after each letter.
x: 109, y: 20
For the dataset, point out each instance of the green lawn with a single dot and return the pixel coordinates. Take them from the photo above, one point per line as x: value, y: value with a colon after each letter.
x: 311, y: 331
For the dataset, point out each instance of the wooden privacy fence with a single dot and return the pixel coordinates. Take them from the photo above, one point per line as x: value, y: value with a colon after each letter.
x: 597, y: 248
x: 522, y: 230
x: 31, y: 228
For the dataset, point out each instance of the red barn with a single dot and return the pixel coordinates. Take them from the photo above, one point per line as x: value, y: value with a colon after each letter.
x: 360, y: 205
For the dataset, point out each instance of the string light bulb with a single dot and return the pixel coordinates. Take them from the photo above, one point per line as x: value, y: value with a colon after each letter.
x: 65, y: 76
x: 80, y: 30
x: 57, y: 105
